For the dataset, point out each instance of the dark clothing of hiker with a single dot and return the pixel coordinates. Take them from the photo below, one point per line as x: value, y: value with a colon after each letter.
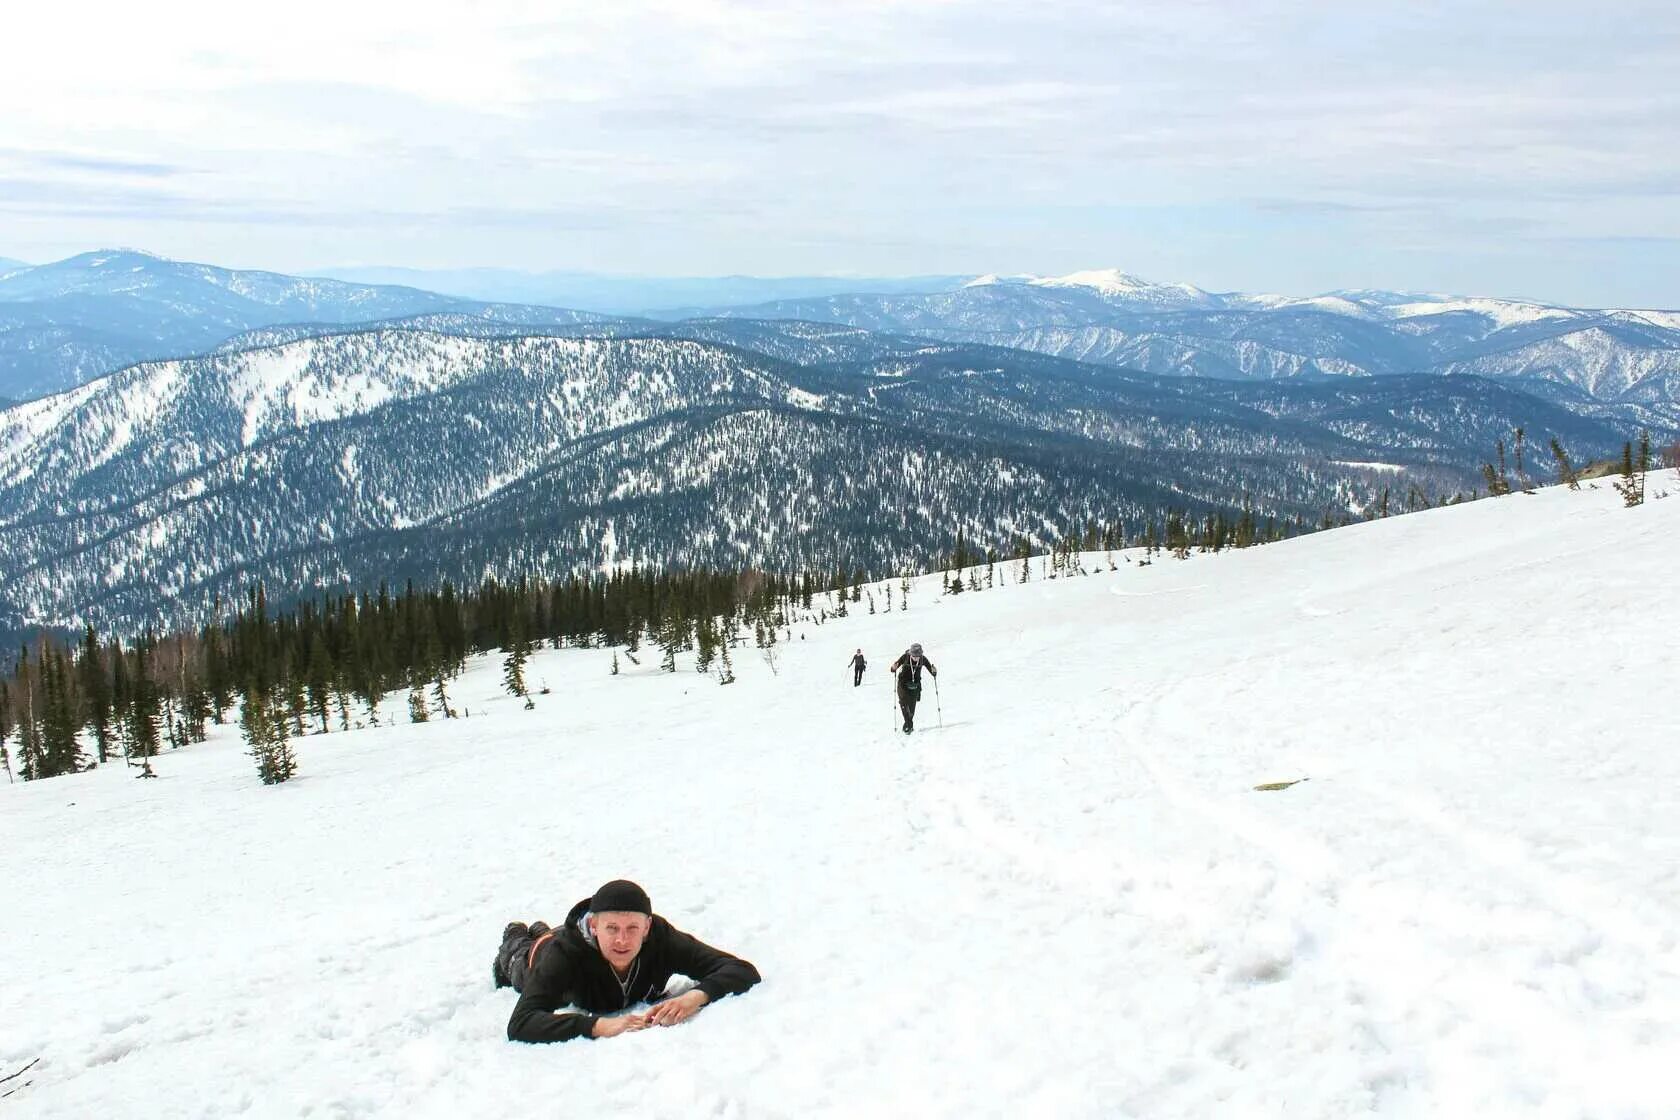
x: 567, y: 969
x: 908, y: 668
x: 858, y: 666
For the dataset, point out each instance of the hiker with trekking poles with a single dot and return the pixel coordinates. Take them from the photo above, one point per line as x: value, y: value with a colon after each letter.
x: 907, y: 675
x: 858, y: 666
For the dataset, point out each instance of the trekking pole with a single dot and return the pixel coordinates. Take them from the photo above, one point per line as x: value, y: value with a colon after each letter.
x: 938, y: 708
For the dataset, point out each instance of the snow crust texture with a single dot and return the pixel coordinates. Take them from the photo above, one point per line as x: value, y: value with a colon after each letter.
x: 1063, y: 895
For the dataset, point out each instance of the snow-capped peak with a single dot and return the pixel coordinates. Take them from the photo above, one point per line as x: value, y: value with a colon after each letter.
x: 992, y: 278
x: 1111, y: 284
x: 1501, y: 312
x: 102, y: 257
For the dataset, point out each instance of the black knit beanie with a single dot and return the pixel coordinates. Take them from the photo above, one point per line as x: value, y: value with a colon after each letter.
x: 623, y: 895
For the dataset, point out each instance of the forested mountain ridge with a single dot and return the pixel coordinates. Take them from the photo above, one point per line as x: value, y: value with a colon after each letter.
x: 339, y: 459
x: 1615, y: 355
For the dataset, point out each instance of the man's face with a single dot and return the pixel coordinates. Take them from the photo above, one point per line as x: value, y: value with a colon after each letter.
x: 619, y: 935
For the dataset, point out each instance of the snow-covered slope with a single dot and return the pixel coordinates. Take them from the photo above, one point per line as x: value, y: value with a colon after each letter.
x: 1070, y: 899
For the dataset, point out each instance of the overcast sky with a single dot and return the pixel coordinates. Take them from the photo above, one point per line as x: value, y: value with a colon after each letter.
x: 1528, y: 149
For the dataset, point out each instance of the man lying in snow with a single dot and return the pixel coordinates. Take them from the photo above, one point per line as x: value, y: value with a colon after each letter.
x: 612, y: 953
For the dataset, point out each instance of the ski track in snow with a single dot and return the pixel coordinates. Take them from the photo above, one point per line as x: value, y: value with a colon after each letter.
x: 1069, y: 899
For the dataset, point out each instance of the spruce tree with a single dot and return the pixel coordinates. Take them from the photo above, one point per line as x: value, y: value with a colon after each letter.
x: 706, y: 643
x: 282, y: 762
x: 1644, y: 460
x: 513, y: 664
x: 1522, y: 475
x: 218, y: 683
x: 439, y: 697
x: 417, y: 712
x: 318, y: 681
x: 1566, y: 470
x: 254, y: 723
x: 1497, y: 482
x: 1178, y: 541
x: 140, y: 728
x: 292, y: 697
x: 5, y: 727
x: 671, y: 633
x: 196, y: 710
x: 1629, y: 487
x: 726, y: 667
x: 61, y: 753
x: 120, y: 690
x: 30, y: 762
x: 96, y: 692
x: 266, y: 719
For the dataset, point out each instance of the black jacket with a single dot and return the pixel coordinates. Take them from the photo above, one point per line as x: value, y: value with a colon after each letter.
x: 569, y: 970
x: 909, y: 670
x: 858, y: 662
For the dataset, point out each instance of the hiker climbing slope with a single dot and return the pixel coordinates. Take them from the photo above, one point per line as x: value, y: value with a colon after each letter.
x: 907, y: 671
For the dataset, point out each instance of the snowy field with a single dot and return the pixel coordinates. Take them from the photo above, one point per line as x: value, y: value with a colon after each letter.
x: 1069, y: 900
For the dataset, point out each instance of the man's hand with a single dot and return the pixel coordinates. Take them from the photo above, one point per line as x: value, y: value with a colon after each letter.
x: 674, y: 1011
x: 618, y: 1024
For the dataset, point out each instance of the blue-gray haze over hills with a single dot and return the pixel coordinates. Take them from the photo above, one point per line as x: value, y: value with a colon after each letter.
x: 634, y: 295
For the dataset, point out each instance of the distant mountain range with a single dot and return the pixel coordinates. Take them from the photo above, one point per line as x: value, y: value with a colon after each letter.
x: 634, y: 295
x: 325, y: 434
x: 1612, y: 356
x: 66, y: 323
x: 335, y: 460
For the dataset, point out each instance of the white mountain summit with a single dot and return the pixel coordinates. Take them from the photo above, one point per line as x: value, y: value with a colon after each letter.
x: 1113, y: 286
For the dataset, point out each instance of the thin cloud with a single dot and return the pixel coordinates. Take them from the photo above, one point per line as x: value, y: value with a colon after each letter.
x: 1187, y: 139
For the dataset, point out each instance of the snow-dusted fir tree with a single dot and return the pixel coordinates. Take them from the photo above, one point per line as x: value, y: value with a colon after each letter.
x: 417, y: 710
x: 513, y: 664
x: 726, y: 667
x: 1631, y: 486
x: 266, y: 723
